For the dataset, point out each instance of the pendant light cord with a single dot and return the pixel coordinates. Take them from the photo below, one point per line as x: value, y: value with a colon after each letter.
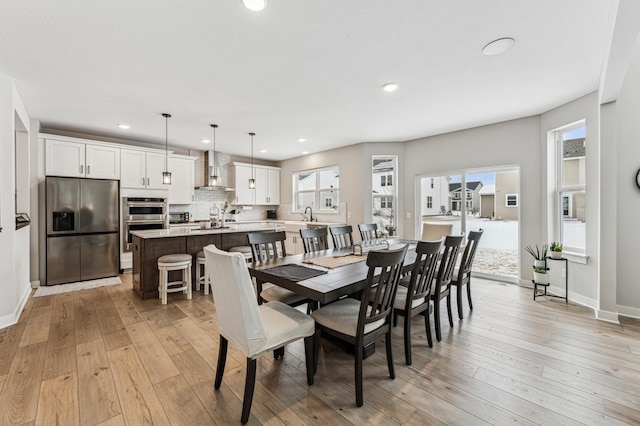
x: 166, y: 141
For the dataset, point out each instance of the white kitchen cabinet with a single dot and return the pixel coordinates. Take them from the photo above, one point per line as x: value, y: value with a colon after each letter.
x: 267, y: 191
x: 181, y: 190
x: 244, y: 195
x: 142, y: 169
x: 267, y: 186
x: 293, y: 244
x: 77, y: 159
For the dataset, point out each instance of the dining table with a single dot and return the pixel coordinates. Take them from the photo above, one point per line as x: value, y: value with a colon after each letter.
x: 343, y: 274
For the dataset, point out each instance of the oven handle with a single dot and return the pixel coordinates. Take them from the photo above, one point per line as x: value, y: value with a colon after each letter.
x: 145, y: 221
x: 146, y: 204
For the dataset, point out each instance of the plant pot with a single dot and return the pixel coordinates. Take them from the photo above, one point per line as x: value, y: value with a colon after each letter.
x: 540, y: 264
x: 540, y: 278
x: 555, y: 254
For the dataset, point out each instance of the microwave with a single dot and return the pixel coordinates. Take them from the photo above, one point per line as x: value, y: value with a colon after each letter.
x: 178, y: 217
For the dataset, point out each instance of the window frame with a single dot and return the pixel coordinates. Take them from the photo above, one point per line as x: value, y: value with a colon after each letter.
x: 318, y: 201
x: 506, y: 200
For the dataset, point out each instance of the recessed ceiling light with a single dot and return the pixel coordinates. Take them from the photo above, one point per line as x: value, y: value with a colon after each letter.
x: 255, y: 5
x: 305, y: 152
x: 124, y: 126
x: 302, y: 140
x: 390, y: 87
x: 498, y: 46
x: 205, y: 140
x: 263, y: 151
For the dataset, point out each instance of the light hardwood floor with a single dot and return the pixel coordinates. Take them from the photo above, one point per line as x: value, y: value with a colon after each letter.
x: 106, y: 357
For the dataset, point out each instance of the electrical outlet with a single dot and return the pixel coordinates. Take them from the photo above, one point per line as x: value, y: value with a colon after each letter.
x: 408, y: 215
x: 349, y: 215
x: 564, y: 273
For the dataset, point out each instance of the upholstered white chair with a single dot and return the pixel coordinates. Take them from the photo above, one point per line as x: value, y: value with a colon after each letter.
x: 432, y: 231
x: 254, y: 329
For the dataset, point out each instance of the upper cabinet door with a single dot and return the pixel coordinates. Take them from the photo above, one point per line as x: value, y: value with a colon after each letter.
x: 262, y: 186
x: 133, y: 169
x: 244, y: 195
x: 64, y: 158
x: 102, y: 162
x: 155, y: 168
x: 181, y: 190
x: 273, y: 187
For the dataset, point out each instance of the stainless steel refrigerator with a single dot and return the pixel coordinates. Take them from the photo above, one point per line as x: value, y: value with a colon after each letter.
x: 82, y: 229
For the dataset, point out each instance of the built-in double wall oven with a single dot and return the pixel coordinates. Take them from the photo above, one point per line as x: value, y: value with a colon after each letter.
x: 142, y: 213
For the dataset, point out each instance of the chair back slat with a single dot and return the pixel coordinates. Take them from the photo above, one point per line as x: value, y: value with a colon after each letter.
x: 470, y: 251
x: 267, y: 245
x: 342, y: 236
x: 448, y: 260
x: 237, y: 310
x: 368, y: 231
x: 423, y: 272
x: 314, y: 239
x: 380, y: 291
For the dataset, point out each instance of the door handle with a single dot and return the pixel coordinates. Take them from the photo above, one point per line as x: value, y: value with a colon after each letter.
x: 88, y: 170
x: 148, y: 180
x: 81, y: 169
x: 142, y: 181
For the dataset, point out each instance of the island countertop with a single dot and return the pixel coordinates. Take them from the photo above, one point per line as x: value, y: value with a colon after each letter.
x: 185, y: 231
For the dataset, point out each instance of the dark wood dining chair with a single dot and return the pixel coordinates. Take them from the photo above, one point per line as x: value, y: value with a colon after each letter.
x: 253, y: 329
x: 266, y: 246
x: 462, y: 276
x: 442, y: 287
x: 368, y: 231
x: 314, y: 239
x: 342, y: 236
x: 414, y: 298
x: 362, y: 322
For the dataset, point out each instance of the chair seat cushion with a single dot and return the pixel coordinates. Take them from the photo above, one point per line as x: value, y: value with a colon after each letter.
x: 401, y: 299
x: 404, y: 281
x: 282, y: 324
x: 276, y: 293
x: 200, y: 255
x: 174, y: 258
x: 342, y: 316
x: 240, y: 249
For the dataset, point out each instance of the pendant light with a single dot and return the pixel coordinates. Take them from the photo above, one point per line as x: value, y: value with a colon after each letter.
x: 213, y: 180
x: 166, y: 175
x: 252, y: 181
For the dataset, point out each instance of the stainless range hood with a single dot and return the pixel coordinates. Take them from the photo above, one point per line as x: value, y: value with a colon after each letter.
x: 218, y: 164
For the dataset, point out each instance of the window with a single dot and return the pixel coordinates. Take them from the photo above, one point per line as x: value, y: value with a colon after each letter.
x: 571, y: 171
x: 383, y: 193
x: 317, y: 189
x: 512, y: 200
x: 430, y: 198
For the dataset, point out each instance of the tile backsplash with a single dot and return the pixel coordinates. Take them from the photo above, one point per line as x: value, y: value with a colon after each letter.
x: 205, y: 199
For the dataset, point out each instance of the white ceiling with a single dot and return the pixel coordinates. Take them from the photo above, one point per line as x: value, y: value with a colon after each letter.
x: 310, y: 68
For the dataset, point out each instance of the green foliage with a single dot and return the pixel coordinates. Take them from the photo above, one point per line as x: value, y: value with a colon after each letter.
x: 540, y: 271
x: 555, y: 246
x: 539, y: 253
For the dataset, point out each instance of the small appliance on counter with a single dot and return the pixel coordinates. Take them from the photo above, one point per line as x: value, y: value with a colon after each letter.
x: 178, y: 217
x: 272, y: 214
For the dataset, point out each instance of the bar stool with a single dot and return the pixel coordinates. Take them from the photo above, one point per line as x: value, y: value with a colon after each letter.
x: 202, y: 273
x: 174, y: 262
x: 245, y: 250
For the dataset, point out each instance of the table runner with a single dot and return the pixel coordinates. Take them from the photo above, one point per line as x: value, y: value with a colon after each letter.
x: 332, y: 262
x: 294, y: 272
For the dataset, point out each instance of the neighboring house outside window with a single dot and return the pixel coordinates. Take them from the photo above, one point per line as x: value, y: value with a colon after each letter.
x: 318, y: 189
x: 512, y: 200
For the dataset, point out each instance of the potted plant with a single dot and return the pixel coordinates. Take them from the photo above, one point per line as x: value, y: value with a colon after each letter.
x: 540, y: 276
x: 539, y: 254
x: 555, y: 250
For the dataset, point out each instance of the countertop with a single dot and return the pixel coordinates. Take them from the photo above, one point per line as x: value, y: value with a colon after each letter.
x: 186, y: 231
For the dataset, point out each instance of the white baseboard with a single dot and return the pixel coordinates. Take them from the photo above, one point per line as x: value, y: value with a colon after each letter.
x: 607, y: 316
x: 12, y: 318
x: 35, y: 284
x: 628, y: 311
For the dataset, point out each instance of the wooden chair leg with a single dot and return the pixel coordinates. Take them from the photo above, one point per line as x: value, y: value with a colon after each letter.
x: 407, y: 338
x: 222, y: 359
x: 316, y: 349
x: 278, y: 353
x: 459, y: 300
x: 249, y: 385
x: 309, y: 355
x: 436, y: 319
x: 358, y: 375
x: 392, y: 372
x: 449, y: 309
x: 469, y: 294
x: 427, y: 326
x: 259, y: 291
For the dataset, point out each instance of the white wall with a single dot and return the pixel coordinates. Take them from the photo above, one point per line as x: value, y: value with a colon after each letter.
x: 628, y: 199
x: 14, y: 244
x: 512, y: 143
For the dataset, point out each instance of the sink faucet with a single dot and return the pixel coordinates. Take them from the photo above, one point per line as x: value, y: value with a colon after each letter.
x: 311, y: 218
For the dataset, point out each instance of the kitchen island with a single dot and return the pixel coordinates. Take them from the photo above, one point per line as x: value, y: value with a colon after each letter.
x: 149, y: 245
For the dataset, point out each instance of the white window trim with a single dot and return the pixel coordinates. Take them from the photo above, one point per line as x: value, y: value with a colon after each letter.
x: 317, y: 200
x: 506, y: 200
